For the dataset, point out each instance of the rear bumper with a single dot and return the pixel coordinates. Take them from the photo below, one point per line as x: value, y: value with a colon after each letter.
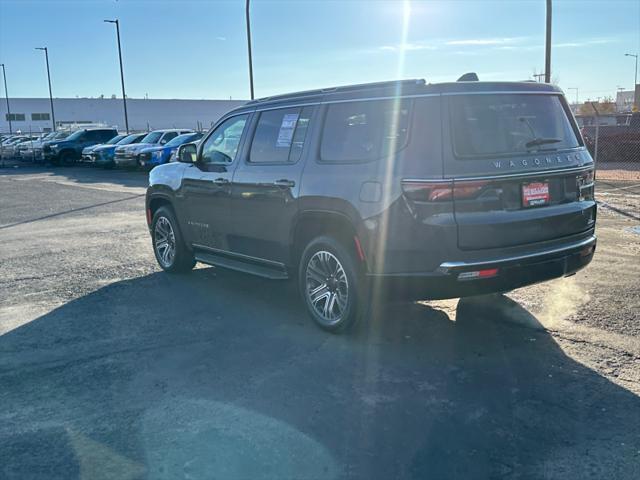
x: 513, y: 272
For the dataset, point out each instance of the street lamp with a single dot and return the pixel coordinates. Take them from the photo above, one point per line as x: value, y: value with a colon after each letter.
x: 124, y: 95
x: 576, y: 89
x: 6, y: 96
x: 249, y: 47
x: 46, y: 56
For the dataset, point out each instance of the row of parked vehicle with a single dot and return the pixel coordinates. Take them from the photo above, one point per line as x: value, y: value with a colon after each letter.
x: 103, y: 147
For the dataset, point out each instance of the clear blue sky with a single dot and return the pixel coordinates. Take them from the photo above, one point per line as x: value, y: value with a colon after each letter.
x: 197, y: 49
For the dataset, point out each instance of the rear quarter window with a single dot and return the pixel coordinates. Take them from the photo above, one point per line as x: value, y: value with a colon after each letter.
x: 363, y: 131
x: 504, y: 124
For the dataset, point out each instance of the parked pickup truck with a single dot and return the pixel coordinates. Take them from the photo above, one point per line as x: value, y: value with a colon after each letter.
x: 616, y: 143
x: 69, y: 150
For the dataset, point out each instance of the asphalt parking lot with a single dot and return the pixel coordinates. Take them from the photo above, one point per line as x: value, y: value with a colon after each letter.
x: 112, y: 369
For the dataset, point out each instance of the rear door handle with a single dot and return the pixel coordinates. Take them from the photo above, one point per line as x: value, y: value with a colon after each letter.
x: 283, y: 182
x: 221, y: 181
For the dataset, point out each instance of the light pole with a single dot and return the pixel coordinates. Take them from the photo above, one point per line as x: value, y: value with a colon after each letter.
x: 249, y: 48
x: 547, y: 49
x: 635, y: 79
x: 576, y: 89
x: 6, y: 96
x: 46, y: 56
x: 124, y: 95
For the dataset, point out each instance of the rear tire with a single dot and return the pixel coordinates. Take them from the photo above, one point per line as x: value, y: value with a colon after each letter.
x: 169, y: 247
x: 331, y: 284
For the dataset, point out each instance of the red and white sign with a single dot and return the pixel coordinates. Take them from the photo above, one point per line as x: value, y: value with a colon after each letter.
x: 535, y: 194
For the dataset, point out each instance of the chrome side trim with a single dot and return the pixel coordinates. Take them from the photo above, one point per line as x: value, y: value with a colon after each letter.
x: 238, y: 255
x: 546, y: 173
x: 446, y: 266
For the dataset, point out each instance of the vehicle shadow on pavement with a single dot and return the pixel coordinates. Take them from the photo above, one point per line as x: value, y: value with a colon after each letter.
x: 220, y: 375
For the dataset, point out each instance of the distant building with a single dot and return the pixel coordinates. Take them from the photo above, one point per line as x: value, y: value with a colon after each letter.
x: 34, y: 114
x: 624, y: 101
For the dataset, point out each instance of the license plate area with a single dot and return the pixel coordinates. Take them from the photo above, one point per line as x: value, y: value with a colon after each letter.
x: 535, y: 194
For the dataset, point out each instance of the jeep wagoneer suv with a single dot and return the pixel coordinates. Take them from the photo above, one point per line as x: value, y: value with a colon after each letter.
x: 409, y: 189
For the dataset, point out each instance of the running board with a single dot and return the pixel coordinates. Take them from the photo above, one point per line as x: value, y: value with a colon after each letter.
x: 272, y: 273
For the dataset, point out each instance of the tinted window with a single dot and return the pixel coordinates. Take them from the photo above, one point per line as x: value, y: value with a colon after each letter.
x: 280, y: 135
x: 222, y: 145
x: 169, y: 135
x: 135, y: 138
x: 77, y: 135
x: 362, y: 131
x: 152, y: 137
x: 509, y: 124
x: 115, y: 139
x: 180, y: 139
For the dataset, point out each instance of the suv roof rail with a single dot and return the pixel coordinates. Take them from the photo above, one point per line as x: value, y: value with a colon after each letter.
x: 346, y: 88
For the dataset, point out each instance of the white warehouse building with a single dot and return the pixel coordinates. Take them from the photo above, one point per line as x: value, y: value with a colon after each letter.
x: 34, y: 114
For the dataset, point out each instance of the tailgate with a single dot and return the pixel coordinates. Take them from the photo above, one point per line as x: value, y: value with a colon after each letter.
x: 508, y: 211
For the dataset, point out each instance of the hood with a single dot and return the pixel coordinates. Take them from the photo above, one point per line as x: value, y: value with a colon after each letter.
x: 101, y: 148
x: 154, y: 148
x: 138, y: 147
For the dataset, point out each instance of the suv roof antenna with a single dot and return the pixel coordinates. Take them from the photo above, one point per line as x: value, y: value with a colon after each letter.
x: 469, y: 77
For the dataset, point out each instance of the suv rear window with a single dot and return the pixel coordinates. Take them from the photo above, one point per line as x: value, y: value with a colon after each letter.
x: 364, y: 131
x: 502, y: 124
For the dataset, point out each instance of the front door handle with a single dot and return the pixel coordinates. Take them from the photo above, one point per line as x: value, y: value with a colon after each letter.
x: 221, y: 181
x: 284, y: 183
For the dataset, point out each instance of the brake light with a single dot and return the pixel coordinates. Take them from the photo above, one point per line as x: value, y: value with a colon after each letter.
x: 422, y: 191
x: 585, y: 184
x: 468, y: 189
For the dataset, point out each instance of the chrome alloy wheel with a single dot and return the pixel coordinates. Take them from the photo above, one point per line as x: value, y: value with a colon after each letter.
x: 327, y: 287
x: 164, y: 242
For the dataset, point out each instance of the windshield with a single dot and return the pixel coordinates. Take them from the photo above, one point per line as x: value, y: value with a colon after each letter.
x: 485, y: 125
x: 115, y: 140
x: 129, y: 139
x: 75, y: 135
x: 152, y: 137
x: 180, y: 139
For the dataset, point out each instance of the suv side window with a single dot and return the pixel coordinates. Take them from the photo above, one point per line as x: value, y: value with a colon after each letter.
x: 362, y: 131
x: 279, y: 136
x: 222, y: 145
x: 168, y: 136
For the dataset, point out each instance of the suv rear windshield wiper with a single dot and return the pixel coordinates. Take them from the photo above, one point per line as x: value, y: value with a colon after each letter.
x: 541, y: 141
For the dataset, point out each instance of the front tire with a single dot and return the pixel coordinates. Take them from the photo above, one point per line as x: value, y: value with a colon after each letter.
x: 67, y: 159
x: 169, y: 247
x: 331, y: 285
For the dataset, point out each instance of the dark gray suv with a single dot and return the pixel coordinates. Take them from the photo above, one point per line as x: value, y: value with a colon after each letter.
x: 402, y: 189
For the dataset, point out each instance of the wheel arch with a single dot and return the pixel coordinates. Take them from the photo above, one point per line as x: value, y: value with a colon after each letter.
x: 315, y: 223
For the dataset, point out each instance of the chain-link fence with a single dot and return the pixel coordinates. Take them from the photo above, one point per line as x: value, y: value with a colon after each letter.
x: 614, y: 143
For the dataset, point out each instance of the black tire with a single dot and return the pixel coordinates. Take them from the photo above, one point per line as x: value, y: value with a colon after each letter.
x: 345, y: 313
x: 182, y: 259
x: 67, y: 158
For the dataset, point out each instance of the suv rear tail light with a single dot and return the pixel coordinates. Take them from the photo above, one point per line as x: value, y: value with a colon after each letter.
x: 585, y: 185
x: 442, y: 191
x: 426, y: 191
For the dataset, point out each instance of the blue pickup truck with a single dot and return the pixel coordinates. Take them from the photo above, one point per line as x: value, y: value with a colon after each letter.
x: 69, y: 150
x: 154, y: 156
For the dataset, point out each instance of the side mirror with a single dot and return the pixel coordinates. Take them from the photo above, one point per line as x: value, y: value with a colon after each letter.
x: 187, y: 153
